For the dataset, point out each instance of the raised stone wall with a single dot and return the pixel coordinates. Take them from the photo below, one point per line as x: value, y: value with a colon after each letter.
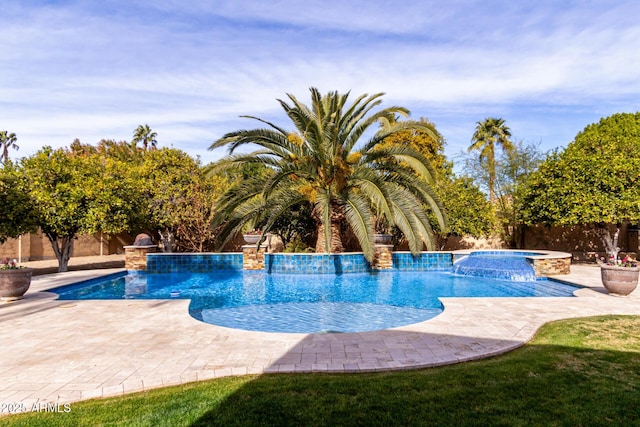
x: 545, y: 263
x: 551, y: 266
x: 135, y: 257
x: 383, y: 257
x: 252, y: 258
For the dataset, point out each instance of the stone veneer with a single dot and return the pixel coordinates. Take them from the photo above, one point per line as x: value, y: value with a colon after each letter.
x: 135, y: 257
x: 252, y: 257
x: 544, y: 267
x: 544, y: 263
x: 383, y: 257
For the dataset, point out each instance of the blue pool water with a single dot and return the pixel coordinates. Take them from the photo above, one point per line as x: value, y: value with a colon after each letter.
x: 355, y: 302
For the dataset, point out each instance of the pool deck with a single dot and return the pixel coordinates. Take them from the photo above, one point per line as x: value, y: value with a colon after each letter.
x: 65, y: 351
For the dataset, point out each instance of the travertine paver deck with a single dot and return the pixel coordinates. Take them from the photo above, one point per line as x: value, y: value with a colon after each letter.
x: 64, y: 351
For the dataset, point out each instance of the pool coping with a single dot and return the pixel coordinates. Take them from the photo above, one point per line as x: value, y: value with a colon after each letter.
x: 61, y: 351
x: 539, y: 253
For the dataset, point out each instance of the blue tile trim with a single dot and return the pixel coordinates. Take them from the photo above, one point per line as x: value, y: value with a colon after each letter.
x: 294, y: 263
x: 316, y: 263
x: 352, y: 263
x: 405, y: 261
x: 193, y: 263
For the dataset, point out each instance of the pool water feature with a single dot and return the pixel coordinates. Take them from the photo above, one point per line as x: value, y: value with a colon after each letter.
x: 309, y: 303
x: 497, y: 265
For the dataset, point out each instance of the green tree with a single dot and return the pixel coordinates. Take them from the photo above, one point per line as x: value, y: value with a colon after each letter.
x: 430, y: 143
x: 17, y: 214
x: 165, y: 177
x: 76, y: 191
x: 320, y: 164
x: 512, y: 173
x: 121, y: 150
x: 143, y: 134
x: 512, y: 169
x: 468, y: 211
x: 7, y: 140
x: 196, y: 211
x: 490, y: 133
x: 595, y: 180
x: 179, y: 198
x: 295, y: 224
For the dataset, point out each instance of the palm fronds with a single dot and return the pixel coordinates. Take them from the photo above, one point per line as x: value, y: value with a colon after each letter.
x: 319, y: 162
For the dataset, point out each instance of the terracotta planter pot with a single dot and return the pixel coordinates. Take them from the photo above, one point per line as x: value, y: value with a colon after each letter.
x: 619, y: 280
x: 14, y: 283
x: 252, y: 239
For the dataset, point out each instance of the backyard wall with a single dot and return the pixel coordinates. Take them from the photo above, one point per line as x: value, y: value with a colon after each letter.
x: 455, y: 243
x: 582, y: 242
x: 36, y: 246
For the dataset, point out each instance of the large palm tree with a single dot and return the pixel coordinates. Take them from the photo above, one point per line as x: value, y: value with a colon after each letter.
x: 7, y: 140
x: 489, y: 133
x: 319, y: 163
x: 144, y: 135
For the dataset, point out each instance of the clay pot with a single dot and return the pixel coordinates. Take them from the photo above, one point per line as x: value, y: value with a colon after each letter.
x: 14, y: 283
x: 252, y: 239
x: 619, y: 280
x: 383, y: 239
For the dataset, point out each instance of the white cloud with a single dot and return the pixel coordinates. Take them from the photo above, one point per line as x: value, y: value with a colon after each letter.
x: 97, y: 70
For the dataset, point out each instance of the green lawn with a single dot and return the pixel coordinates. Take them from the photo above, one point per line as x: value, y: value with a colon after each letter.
x: 575, y: 372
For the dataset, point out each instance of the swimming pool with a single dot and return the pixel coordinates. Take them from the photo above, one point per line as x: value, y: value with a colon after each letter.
x: 309, y: 303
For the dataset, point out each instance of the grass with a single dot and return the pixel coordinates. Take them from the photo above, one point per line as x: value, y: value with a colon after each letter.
x: 575, y: 372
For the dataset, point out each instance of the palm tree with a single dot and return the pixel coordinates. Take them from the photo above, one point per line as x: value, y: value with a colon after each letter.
x: 489, y: 133
x: 319, y: 163
x: 7, y: 140
x: 144, y: 135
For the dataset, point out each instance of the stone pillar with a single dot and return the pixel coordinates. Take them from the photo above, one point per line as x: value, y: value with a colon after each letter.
x: 135, y: 257
x: 383, y: 259
x: 551, y: 266
x: 252, y: 258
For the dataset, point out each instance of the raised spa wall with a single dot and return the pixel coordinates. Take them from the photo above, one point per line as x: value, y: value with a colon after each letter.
x: 289, y: 263
x: 545, y: 264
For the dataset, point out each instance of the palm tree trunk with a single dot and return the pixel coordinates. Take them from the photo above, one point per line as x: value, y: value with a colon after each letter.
x: 337, y: 219
x: 491, y: 166
x: 492, y: 191
x: 335, y: 246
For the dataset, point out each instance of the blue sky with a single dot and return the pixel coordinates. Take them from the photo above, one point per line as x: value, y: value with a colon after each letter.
x: 98, y: 69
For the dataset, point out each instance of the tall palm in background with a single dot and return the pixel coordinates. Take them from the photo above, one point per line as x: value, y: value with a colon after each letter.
x: 7, y: 140
x: 318, y: 163
x: 144, y: 135
x: 489, y: 133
